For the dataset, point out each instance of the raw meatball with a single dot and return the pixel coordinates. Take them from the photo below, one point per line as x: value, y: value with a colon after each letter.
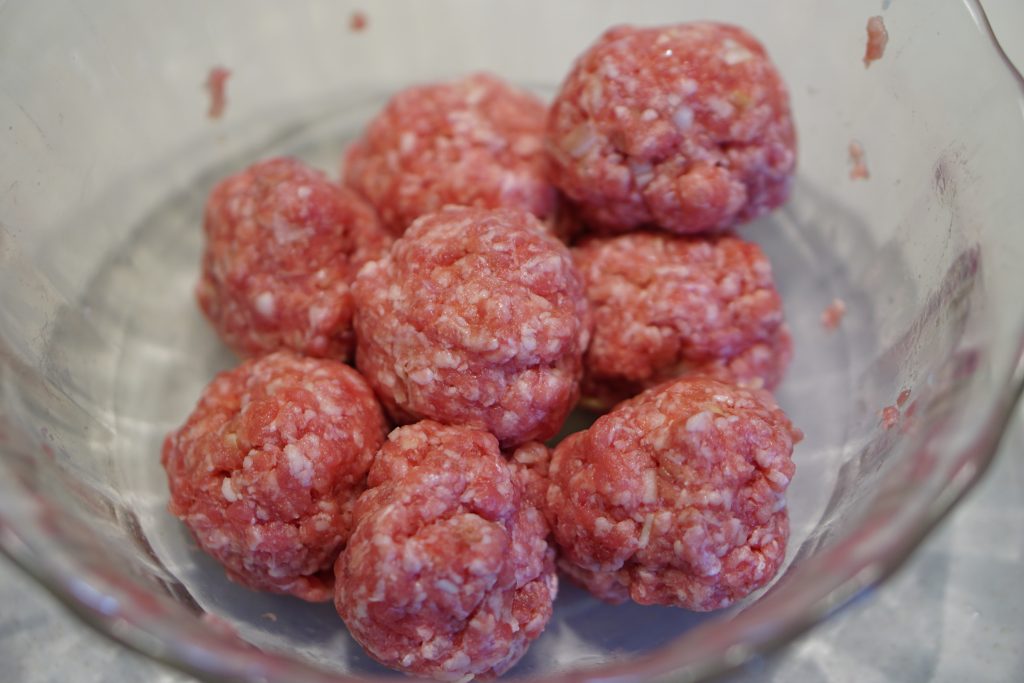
x: 448, y: 573
x: 267, y: 468
x: 686, y: 127
x: 282, y: 248
x: 676, y: 497
x: 476, y: 141
x: 476, y: 317
x: 667, y: 305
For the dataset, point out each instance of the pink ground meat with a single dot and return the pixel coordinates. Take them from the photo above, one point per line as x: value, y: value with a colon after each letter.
x: 282, y: 248
x: 878, y: 38
x: 476, y: 317
x: 476, y: 141
x: 216, y: 84
x: 266, y: 470
x: 676, y: 497
x: 667, y: 305
x: 448, y: 572
x: 687, y: 127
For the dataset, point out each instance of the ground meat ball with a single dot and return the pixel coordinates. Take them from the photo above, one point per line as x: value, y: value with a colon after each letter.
x: 687, y: 127
x: 266, y: 470
x: 476, y: 317
x: 667, y: 305
x: 476, y: 141
x: 282, y: 248
x: 448, y: 572
x: 676, y: 497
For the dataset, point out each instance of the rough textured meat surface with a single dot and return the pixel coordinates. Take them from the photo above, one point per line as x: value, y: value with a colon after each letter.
x: 476, y: 141
x: 476, y: 317
x: 687, y: 127
x: 448, y: 573
x: 267, y: 468
x: 878, y: 38
x: 676, y: 497
x: 667, y: 305
x: 283, y: 246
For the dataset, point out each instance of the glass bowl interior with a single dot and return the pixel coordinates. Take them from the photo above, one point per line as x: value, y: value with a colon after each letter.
x: 108, y: 156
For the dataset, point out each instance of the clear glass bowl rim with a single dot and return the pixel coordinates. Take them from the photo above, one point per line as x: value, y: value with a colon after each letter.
x: 209, y: 653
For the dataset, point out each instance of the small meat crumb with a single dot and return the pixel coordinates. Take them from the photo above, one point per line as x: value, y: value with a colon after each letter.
x: 269, y: 616
x: 358, y: 22
x: 858, y: 169
x: 902, y: 398
x: 216, y: 82
x: 890, y: 416
x: 833, y: 314
x: 878, y: 38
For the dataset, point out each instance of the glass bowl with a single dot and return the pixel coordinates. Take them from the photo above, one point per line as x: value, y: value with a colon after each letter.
x: 108, y: 155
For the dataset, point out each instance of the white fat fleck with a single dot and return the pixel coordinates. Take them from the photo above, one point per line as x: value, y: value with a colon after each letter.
x: 445, y: 359
x: 602, y: 526
x: 643, y: 173
x: 529, y: 455
x: 447, y: 586
x: 328, y: 407
x: 734, y: 53
x: 720, y: 107
x: 778, y: 478
x: 509, y: 420
x: 478, y: 568
x: 650, y: 486
x: 227, y: 491
x: 457, y: 662
x: 318, y: 316
x: 422, y: 376
x: 406, y: 142
x: 526, y: 145
x: 475, y: 95
x: 687, y: 86
x: 645, y: 533
x: 579, y: 141
x: 299, y: 465
x: 265, y: 304
x: 683, y: 118
x: 699, y: 422
x: 304, y: 192
x: 658, y: 438
x: 648, y: 115
x: 761, y: 566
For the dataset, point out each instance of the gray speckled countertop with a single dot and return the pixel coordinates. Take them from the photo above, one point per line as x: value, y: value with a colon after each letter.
x: 954, y: 613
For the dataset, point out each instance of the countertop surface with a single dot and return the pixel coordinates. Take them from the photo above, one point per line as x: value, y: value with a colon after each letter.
x: 954, y: 613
